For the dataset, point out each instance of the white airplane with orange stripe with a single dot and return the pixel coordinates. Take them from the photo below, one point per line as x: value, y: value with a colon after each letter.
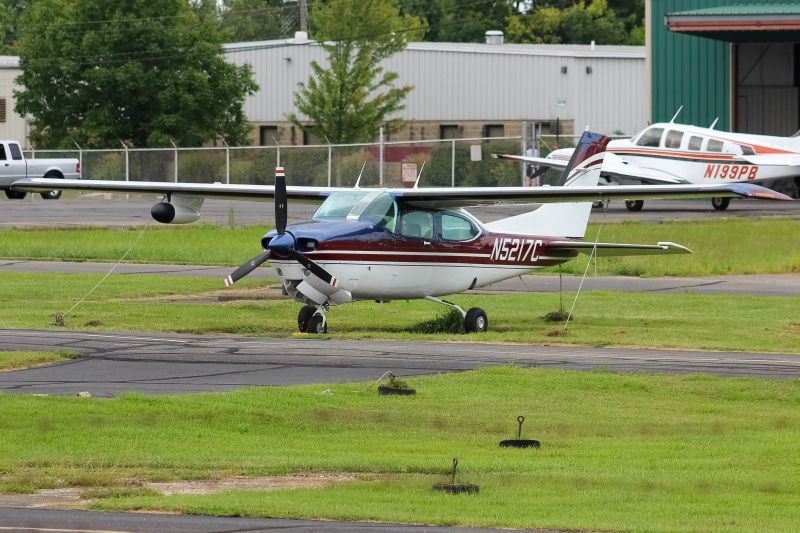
x: 669, y: 153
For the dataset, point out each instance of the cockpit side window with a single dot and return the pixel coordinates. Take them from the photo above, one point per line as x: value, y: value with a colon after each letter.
x: 383, y: 211
x: 651, y: 137
x: 457, y: 229
x: 417, y: 224
x: 339, y: 204
x: 673, y: 139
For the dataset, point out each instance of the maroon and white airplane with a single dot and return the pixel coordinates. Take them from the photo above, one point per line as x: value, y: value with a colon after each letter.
x: 402, y: 244
x: 669, y: 153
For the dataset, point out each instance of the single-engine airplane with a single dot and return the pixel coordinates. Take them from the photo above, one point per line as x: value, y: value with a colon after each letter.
x: 669, y: 153
x: 402, y: 244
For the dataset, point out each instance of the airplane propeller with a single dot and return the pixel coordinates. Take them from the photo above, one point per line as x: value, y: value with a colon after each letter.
x: 281, y: 215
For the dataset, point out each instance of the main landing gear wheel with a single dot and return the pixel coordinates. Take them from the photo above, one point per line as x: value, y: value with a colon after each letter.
x: 476, y: 321
x: 720, y: 204
x: 14, y: 195
x: 303, y: 317
x: 634, y: 205
x: 317, y: 324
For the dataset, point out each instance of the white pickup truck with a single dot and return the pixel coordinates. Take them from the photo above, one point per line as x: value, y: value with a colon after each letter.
x: 14, y: 166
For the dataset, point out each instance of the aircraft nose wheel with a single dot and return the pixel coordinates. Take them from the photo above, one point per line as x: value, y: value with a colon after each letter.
x: 303, y: 317
x: 476, y: 321
x: 317, y: 324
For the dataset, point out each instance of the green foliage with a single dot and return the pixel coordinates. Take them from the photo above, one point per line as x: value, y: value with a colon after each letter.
x: 357, y: 36
x: 575, y: 24
x: 460, y: 21
x: 151, y: 73
x: 16, y: 360
x: 258, y: 20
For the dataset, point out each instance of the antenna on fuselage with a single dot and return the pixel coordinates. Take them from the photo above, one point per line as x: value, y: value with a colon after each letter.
x: 359, y: 175
x: 711, y: 127
x: 419, y: 175
x: 676, y: 115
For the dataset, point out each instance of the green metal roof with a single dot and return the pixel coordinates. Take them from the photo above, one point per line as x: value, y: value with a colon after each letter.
x: 744, y: 9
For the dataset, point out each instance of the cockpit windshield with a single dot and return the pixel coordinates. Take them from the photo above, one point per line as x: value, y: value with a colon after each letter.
x: 339, y: 204
x: 375, y: 206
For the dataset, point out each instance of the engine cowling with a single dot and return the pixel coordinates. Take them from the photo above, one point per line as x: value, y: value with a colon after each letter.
x: 180, y: 210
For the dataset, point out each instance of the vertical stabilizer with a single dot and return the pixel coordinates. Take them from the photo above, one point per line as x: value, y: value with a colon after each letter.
x: 564, y: 219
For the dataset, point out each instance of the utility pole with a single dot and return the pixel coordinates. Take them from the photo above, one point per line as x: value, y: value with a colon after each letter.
x: 303, y: 15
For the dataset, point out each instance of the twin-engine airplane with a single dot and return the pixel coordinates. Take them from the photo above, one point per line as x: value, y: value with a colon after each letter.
x: 669, y: 153
x: 402, y: 244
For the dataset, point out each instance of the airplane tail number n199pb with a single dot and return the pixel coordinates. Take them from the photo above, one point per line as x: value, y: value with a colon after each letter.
x: 402, y: 244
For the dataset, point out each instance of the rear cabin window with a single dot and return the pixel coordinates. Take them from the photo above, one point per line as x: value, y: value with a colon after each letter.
x: 747, y: 150
x: 651, y: 137
x: 16, y: 153
x: 457, y: 228
x: 695, y: 142
x: 673, y: 139
x: 418, y: 224
x: 714, y: 145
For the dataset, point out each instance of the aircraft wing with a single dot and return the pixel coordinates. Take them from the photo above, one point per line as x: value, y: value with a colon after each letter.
x: 775, y: 160
x: 609, y: 249
x: 614, y: 167
x: 445, y: 197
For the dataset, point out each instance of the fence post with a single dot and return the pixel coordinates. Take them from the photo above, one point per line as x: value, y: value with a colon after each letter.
x: 453, y: 164
x: 330, y: 157
x: 176, y: 160
x: 80, y: 164
x: 524, y: 147
x: 227, y: 163
x: 127, y: 166
x: 278, y: 162
x: 380, y: 168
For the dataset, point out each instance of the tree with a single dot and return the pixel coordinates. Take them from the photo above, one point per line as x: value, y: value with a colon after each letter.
x: 576, y: 24
x: 259, y: 20
x: 357, y: 36
x: 147, y: 72
x: 461, y: 21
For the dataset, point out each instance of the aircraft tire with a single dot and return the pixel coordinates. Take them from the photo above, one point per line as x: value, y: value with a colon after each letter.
x: 597, y: 205
x: 476, y: 321
x: 634, y: 205
x: 316, y: 324
x: 303, y: 317
x: 52, y: 195
x: 720, y: 204
x: 14, y: 195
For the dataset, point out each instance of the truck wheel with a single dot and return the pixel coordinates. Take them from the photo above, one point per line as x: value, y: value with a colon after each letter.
x: 52, y: 195
x: 14, y: 195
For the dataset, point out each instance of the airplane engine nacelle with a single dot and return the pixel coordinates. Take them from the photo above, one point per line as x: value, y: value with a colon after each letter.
x: 180, y: 210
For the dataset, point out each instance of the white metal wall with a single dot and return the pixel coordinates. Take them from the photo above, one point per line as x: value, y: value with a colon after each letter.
x: 461, y: 82
x: 15, y: 128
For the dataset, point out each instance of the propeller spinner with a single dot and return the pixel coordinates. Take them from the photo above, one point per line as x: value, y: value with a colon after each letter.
x: 281, y: 215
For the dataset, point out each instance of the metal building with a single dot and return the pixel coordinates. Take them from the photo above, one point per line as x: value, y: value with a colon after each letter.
x: 734, y: 60
x: 467, y: 90
x: 12, y: 126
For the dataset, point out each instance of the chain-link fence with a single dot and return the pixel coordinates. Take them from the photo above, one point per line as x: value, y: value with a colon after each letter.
x: 437, y: 163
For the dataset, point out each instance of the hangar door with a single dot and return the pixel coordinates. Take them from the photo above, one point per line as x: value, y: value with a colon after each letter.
x: 767, y: 90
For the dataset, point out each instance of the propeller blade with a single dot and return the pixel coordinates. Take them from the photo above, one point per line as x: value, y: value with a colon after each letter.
x: 315, y: 269
x: 280, y: 201
x: 246, y: 268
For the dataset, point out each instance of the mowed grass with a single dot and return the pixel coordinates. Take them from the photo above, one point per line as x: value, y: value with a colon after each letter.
x: 620, y: 452
x: 16, y: 360
x: 728, y: 246
x: 154, y: 303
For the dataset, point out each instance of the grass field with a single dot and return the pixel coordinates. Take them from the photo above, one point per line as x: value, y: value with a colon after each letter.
x: 16, y: 360
x: 729, y: 246
x: 620, y: 452
x: 155, y: 303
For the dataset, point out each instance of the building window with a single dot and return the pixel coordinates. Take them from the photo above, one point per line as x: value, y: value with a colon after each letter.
x: 494, y: 130
x: 267, y: 135
x: 448, y: 132
x: 2, y: 109
x: 310, y: 138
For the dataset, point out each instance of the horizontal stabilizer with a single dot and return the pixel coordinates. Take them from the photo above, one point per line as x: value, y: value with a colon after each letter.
x: 612, y: 249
